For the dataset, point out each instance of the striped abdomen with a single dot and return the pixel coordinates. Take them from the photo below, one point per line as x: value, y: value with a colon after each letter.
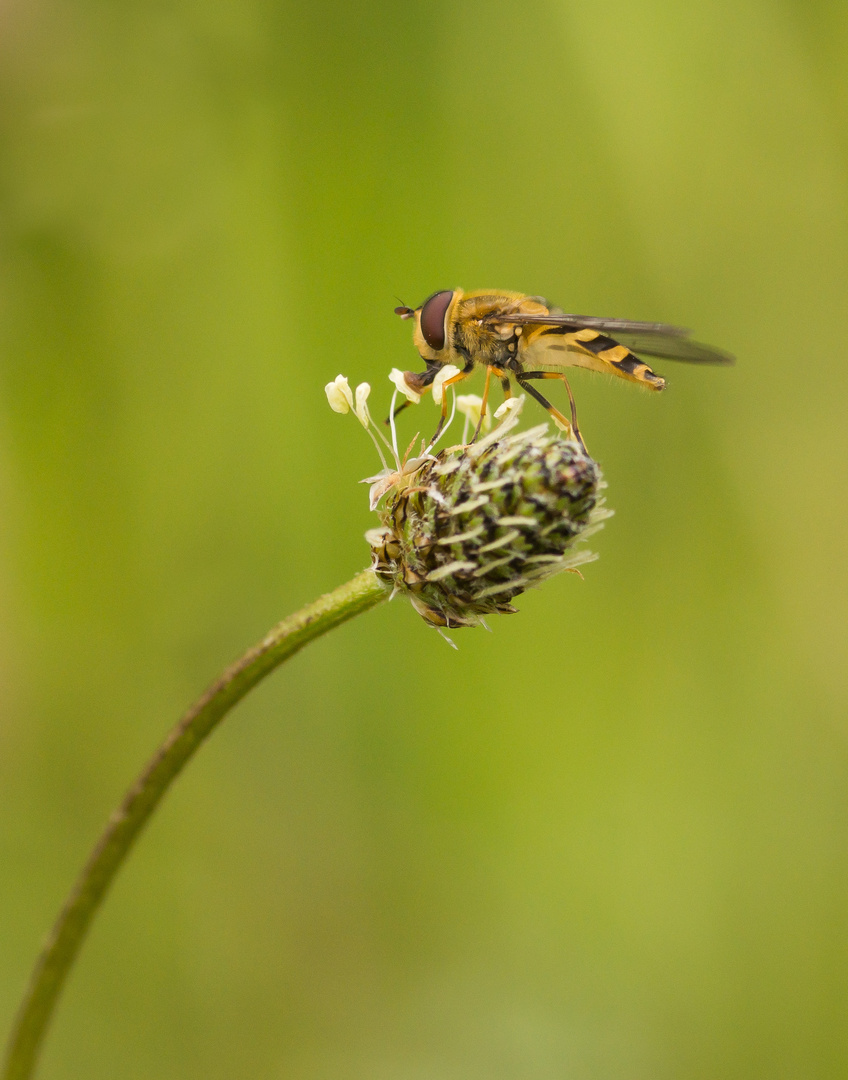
x: 560, y: 346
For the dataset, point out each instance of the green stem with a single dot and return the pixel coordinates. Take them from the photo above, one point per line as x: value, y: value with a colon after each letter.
x: 60, y: 950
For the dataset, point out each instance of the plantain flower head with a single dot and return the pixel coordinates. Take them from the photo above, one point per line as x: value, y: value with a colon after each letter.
x: 464, y: 532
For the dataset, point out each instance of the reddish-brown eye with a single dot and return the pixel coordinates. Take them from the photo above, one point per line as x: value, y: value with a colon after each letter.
x: 434, y: 312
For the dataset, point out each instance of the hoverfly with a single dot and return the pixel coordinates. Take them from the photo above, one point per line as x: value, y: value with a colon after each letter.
x: 527, y: 339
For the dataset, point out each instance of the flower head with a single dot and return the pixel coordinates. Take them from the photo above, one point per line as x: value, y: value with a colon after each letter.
x: 465, y: 531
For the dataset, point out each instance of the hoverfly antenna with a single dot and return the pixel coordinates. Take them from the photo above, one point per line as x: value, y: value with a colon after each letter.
x: 404, y: 311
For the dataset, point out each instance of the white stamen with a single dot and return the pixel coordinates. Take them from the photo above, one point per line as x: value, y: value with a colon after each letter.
x: 508, y: 414
x: 378, y: 448
x: 444, y: 430
x: 339, y: 395
x: 510, y: 405
x: 361, y: 407
x: 393, y: 426
x: 470, y: 405
x: 397, y: 377
x: 445, y: 373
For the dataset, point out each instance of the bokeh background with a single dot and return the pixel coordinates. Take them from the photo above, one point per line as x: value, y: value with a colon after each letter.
x: 608, y: 841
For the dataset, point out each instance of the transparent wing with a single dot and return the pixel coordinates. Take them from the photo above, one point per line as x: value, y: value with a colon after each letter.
x: 590, y: 322
x: 652, y: 339
x: 672, y: 348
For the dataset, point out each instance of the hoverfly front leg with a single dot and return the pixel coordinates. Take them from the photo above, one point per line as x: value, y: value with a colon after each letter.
x: 420, y: 383
x: 466, y: 371
x: 571, y: 425
x: 397, y: 412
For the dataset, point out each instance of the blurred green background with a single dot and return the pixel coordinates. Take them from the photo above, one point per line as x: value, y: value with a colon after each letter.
x: 609, y: 840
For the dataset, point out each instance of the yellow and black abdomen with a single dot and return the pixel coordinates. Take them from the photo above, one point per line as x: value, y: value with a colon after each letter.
x: 561, y: 346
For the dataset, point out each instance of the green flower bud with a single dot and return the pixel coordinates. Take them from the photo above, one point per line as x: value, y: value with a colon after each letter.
x: 465, y: 532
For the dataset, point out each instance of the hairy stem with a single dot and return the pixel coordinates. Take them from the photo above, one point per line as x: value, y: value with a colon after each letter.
x: 63, y: 944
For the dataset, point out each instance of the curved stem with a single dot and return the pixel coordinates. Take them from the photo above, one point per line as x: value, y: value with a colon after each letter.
x: 63, y: 944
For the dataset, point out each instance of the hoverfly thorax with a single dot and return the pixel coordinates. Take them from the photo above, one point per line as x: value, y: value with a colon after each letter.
x: 484, y: 333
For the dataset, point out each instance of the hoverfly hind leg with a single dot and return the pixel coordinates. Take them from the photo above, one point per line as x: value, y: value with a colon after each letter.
x: 570, y: 426
x: 574, y: 425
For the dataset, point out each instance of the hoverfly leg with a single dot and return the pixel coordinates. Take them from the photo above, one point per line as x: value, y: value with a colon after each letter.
x: 484, y: 404
x: 575, y: 426
x: 421, y: 383
x: 397, y: 412
x: 570, y: 426
x: 466, y: 371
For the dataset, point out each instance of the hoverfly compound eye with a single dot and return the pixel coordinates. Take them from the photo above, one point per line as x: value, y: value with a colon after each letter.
x: 434, y: 313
